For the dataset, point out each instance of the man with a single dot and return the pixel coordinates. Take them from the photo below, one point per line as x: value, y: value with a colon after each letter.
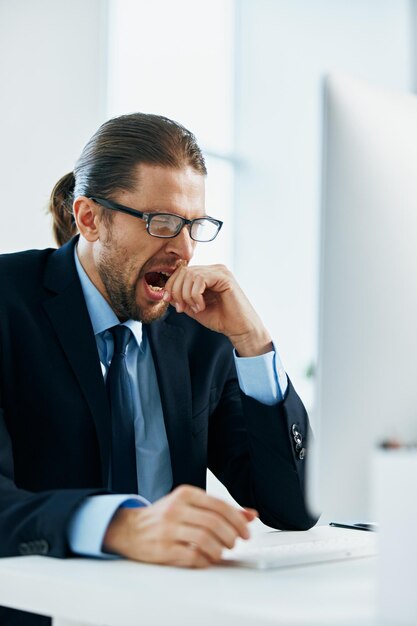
x: 123, y: 370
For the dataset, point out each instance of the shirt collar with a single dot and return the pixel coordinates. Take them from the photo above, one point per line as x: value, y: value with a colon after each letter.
x: 101, y: 314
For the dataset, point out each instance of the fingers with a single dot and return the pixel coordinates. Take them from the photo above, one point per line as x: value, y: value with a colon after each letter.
x: 186, y: 290
x: 223, y: 532
x: 226, y: 513
x: 210, y: 524
x: 201, y: 540
x: 187, y: 286
x: 250, y: 514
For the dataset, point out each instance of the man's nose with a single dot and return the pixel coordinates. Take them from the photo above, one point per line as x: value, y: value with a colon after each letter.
x: 182, y: 245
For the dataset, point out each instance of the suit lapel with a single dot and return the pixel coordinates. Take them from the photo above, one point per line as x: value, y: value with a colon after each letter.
x: 173, y: 375
x: 69, y: 317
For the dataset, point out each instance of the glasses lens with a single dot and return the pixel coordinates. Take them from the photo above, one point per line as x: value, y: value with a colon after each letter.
x: 164, y: 225
x: 204, y: 229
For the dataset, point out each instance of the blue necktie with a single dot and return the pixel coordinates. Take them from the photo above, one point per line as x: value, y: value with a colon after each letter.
x: 123, y: 450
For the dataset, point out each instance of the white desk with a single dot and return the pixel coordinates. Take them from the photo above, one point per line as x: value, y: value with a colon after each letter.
x: 121, y: 593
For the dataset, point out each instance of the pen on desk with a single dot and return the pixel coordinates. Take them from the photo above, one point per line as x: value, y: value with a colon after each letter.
x: 396, y: 444
x: 390, y: 444
x: 356, y: 526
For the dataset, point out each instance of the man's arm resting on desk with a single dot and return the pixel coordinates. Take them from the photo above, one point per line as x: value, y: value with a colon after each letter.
x: 257, y: 449
x: 188, y: 527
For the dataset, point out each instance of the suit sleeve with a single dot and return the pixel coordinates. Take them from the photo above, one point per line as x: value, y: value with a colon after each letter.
x: 255, y: 451
x: 33, y: 523
x: 262, y: 377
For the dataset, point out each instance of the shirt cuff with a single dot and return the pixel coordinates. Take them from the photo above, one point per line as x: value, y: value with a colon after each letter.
x: 263, y: 377
x: 89, y: 522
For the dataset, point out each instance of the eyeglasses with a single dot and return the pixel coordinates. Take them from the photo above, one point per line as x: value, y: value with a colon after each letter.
x: 168, y: 225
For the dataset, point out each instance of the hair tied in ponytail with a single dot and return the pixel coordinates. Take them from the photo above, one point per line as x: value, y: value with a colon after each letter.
x: 60, y: 207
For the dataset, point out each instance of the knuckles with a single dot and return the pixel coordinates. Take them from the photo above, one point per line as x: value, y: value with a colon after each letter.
x: 196, y: 272
x: 175, y: 501
x: 183, y: 492
x: 171, y: 512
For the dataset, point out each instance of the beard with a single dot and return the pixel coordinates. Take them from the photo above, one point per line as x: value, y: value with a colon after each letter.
x: 115, y: 273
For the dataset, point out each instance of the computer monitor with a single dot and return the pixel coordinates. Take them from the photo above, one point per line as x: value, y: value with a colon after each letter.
x: 367, y: 361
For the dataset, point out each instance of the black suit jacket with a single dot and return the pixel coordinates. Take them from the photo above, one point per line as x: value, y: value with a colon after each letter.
x: 55, y: 420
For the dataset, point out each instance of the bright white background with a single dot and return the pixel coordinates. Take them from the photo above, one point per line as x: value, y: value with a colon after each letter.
x: 244, y: 75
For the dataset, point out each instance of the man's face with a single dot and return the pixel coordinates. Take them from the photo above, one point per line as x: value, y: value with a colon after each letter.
x: 132, y: 265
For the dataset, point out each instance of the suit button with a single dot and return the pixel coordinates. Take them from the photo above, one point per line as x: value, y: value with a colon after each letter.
x: 295, y: 429
x: 302, y: 454
x: 298, y: 438
x: 24, y: 549
x: 43, y: 546
x: 38, y: 546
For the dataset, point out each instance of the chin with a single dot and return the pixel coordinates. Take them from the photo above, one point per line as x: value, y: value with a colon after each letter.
x: 149, y: 314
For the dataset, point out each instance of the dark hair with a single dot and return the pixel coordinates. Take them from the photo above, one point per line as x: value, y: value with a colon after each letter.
x: 107, y: 162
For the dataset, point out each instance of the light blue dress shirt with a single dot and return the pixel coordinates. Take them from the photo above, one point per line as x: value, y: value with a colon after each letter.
x: 262, y: 378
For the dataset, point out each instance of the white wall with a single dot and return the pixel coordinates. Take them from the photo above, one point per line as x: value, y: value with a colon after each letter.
x: 283, y: 49
x: 52, y: 62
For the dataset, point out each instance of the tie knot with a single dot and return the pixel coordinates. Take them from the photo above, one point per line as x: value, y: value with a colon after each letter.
x: 121, y: 336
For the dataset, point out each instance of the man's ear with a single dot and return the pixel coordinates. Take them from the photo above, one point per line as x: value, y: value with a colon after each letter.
x: 87, y: 217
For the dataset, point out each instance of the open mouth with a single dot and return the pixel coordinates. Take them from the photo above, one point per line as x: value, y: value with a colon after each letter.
x: 157, y: 280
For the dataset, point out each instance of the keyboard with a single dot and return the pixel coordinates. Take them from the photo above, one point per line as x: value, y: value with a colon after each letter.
x: 287, y: 549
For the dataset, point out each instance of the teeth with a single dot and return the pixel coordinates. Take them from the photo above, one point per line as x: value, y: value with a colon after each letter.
x: 154, y: 288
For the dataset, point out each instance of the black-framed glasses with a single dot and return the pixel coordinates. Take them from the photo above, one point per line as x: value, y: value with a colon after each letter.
x: 168, y: 225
